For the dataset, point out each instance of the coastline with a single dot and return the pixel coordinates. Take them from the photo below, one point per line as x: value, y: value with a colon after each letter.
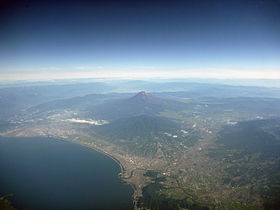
x: 100, y: 151
x: 123, y: 178
x: 125, y: 175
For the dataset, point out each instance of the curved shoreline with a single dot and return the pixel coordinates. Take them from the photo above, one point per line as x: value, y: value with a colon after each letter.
x: 123, y: 178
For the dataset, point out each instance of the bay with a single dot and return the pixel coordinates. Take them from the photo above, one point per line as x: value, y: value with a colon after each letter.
x: 46, y: 173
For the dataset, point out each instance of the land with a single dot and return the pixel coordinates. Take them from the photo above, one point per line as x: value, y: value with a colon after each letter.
x: 179, y: 149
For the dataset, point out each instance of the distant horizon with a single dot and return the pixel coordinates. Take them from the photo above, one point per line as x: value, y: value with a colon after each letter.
x: 144, y: 74
x: 170, y: 39
x: 258, y: 82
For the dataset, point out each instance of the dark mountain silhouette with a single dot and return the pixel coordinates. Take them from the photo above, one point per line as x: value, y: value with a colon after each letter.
x: 143, y: 126
x: 142, y: 103
x: 145, y: 98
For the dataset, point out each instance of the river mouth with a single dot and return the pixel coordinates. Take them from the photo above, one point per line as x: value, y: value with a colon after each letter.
x: 46, y: 173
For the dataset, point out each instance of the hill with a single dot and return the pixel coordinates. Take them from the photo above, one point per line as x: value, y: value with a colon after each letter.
x: 138, y: 134
x: 249, y: 152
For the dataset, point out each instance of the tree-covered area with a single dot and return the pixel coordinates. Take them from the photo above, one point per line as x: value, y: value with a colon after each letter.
x: 153, y: 198
x: 143, y: 134
x: 253, y: 137
x: 250, y: 155
x: 139, y: 133
x: 144, y: 126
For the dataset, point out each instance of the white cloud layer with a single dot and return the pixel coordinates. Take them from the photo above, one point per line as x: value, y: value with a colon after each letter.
x: 188, y: 73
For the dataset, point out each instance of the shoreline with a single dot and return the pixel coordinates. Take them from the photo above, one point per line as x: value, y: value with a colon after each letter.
x: 122, y: 168
x: 123, y: 178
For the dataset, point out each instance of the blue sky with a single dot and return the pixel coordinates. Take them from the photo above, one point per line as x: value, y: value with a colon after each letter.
x: 56, y: 39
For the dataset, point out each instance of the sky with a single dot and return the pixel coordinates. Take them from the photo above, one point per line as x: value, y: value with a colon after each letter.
x: 139, y: 39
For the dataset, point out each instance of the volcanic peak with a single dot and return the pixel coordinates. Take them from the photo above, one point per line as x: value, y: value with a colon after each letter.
x: 146, y: 97
x: 143, y: 94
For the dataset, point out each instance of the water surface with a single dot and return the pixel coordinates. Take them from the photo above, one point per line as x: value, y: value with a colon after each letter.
x: 45, y: 173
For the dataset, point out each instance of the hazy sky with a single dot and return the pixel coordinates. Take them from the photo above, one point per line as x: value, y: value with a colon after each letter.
x: 220, y: 39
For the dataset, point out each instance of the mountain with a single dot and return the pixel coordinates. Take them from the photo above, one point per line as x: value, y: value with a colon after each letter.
x: 109, y: 106
x: 142, y: 126
x: 139, y: 135
x: 142, y: 103
x: 15, y: 100
x: 145, y: 98
x: 250, y: 151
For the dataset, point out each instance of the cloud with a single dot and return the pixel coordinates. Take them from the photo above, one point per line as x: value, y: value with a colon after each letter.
x: 145, y: 74
x: 51, y: 68
x: 88, y: 67
x: 144, y: 67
